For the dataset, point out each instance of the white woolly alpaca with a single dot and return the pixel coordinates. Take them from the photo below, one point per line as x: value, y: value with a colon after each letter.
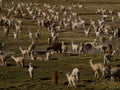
x: 96, y: 68
x: 115, y: 73
x: 71, y: 80
x: 31, y: 70
x: 108, y: 57
x: 19, y: 61
x: 76, y: 73
x: 2, y: 60
x: 24, y: 52
x: 74, y: 47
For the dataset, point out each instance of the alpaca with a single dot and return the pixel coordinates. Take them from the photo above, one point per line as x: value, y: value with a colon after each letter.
x: 24, y: 52
x: 17, y: 28
x: 74, y: 47
x: 48, y: 55
x: 19, y: 61
x: 15, y: 36
x: 31, y: 47
x: 2, y: 60
x: 115, y: 73
x: 87, y: 32
x: 64, y: 47
x: 108, y: 57
x: 31, y: 71
x: 96, y: 68
x: 71, y: 80
x: 30, y: 35
x: 76, y: 73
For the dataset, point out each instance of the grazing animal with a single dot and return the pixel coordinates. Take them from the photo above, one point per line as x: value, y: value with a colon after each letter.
x: 24, y: 52
x: 115, y: 73
x: 19, y: 61
x: 96, y: 68
x: 55, y: 47
x: 76, y: 73
x: 48, y: 55
x: 75, y: 47
x: 31, y: 71
x: 64, y: 47
x: 30, y: 35
x: 71, y: 80
x: 108, y: 57
x: 31, y: 47
x: 15, y: 36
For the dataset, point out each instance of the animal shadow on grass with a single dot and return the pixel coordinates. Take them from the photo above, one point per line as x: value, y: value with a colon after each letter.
x: 88, y: 81
x: 53, y: 58
x: 46, y: 78
x: 73, y: 54
x: 66, y: 84
x: 41, y: 52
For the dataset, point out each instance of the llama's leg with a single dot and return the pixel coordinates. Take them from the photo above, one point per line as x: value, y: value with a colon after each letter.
x: 21, y: 63
x: 70, y: 84
x: 112, y: 79
x: 74, y: 83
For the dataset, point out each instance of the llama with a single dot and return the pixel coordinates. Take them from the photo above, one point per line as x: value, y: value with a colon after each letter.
x: 76, y: 73
x: 48, y: 55
x: 17, y: 28
x: 31, y: 71
x: 75, y: 47
x: 15, y: 34
x: 96, y: 68
x: 108, y: 57
x: 115, y: 73
x: 71, y: 80
x: 64, y: 47
x: 24, y: 52
x: 31, y: 47
x: 55, y: 47
x: 19, y: 61
x: 87, y: 32
x: 30, y: 35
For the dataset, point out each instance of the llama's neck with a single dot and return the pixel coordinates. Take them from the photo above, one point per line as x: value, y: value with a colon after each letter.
x: 62, y: 43
x: 14, y: 58
x: 91, y: 64
x: 20, y: 49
